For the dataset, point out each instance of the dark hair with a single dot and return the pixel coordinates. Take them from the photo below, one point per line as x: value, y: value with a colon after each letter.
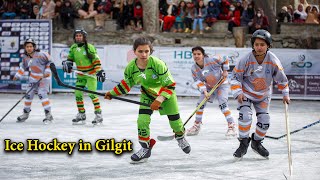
x: 84, y: 33
x: 142, y: 41
x: 199, y: 48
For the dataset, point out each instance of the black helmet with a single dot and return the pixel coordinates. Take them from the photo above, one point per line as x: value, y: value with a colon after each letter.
x: 262, y: 34
x: 30, y: 40
x: 82, y: 31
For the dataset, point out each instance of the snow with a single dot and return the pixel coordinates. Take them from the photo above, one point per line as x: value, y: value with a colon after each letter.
x: 211, y: 156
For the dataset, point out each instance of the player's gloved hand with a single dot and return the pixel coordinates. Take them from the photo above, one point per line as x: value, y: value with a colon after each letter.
x: 157, y: 103
x: 286, y: 99
x: 15, y: 78
x: 67, y: 66
x: 101, y: 76
x: 108, y: 95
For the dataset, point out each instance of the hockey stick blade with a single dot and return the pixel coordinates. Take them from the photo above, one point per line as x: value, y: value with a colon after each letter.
x: 295, y: 131
x: 168, y: 138
x: 165, y: 138
x: 60, y: 83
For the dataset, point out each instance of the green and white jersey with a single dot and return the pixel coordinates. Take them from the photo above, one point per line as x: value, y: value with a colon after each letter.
x: 78, y: 55
x: 155, y: 80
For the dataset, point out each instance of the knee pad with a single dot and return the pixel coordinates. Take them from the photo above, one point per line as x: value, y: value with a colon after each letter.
x: 42, y: 94
x: 223, y: 106
x: 245, y: 113
x: 92, y: 96
x: 263, y: 121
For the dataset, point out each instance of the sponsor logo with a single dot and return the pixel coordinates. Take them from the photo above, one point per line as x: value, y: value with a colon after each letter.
x: 301, y: 63
x: 154, y: 76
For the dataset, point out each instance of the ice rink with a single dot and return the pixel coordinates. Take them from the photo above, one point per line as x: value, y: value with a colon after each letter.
x: 211, y: 156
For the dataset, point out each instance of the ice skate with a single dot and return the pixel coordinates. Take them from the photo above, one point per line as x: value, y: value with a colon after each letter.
x: 80, y: 119
x: 48, y: 119
x: 242, y: 150
x: 98, y: 119
x: 231, y: 132
x: 183, y: 144
x: 23, y: 117
x: 144, y: 153
x: 195, y: 129
x: 258, y: 148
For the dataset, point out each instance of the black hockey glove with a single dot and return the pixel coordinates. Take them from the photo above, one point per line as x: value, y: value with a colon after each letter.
x: 67, y: 66
x: 101, y: 76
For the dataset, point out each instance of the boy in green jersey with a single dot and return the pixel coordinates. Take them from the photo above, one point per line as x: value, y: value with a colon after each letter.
x: 157, y: 89
x: 87, y: 61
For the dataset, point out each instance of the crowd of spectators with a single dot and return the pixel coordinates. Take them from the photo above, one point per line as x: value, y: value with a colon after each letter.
x: 127, y: 13
x: 201, y: 15
x: 184, y: 16
x: 305, y: 13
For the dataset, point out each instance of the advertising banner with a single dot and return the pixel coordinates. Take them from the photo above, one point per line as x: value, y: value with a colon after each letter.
x: 59, y: 54
x: 13, y: 33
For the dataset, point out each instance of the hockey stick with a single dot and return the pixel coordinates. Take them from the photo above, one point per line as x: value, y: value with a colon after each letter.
x: 168, y: 138
x: 90, y: 75
x: 33, y: 85
x: 60, y: 83
x: 295, y: 131
x: 288, y: 138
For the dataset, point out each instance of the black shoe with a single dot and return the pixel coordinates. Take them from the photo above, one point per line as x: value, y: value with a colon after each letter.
x: 242, y: 150
x: 183, y: 144
x: 144, y: 153
x: 258, y: 148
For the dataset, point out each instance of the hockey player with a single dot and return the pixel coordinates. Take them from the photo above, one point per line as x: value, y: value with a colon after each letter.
x: 37, y: 63
x: 85, y: 56
x: 206, y: 72
x: 157, y: 89
x: 251, y: 82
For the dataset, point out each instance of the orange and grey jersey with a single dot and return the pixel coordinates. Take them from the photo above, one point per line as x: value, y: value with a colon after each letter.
x: 209, y: 75
x: 255, y: 80
x: 38, y: 66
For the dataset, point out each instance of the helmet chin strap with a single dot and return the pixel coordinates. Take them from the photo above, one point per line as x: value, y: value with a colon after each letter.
x: 257, y: 55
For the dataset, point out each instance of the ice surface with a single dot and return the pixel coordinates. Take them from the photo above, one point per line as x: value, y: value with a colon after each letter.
x: 210, y: 157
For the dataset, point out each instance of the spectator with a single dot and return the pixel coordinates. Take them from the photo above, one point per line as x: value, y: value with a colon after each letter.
x: 179, y: 23
x: 76, y: 5
x: 88, y: 9
x: 138, y: 15
x: 68, y: 14
x: 188, y: 20
x: 117, y: 9
x: 312, y: 17
x: 127, y: 15
x: 212, y: 14
x: 25, y: 9
x: 235, y: 14
x: 290, y: 10
x: 247, y: 14
x: 299, y: 15
x: 260, y: 21
x: 8, y: 9
x: 200, y: 14
x: 170, y: 17
x: 239, y: 6
x: 47, y: 9
x: 284, y: 15
x: 35, y: 14
x: 224, y: 10
x: 57, y: 14
x: 100, y: 17
x: 308, y: 9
